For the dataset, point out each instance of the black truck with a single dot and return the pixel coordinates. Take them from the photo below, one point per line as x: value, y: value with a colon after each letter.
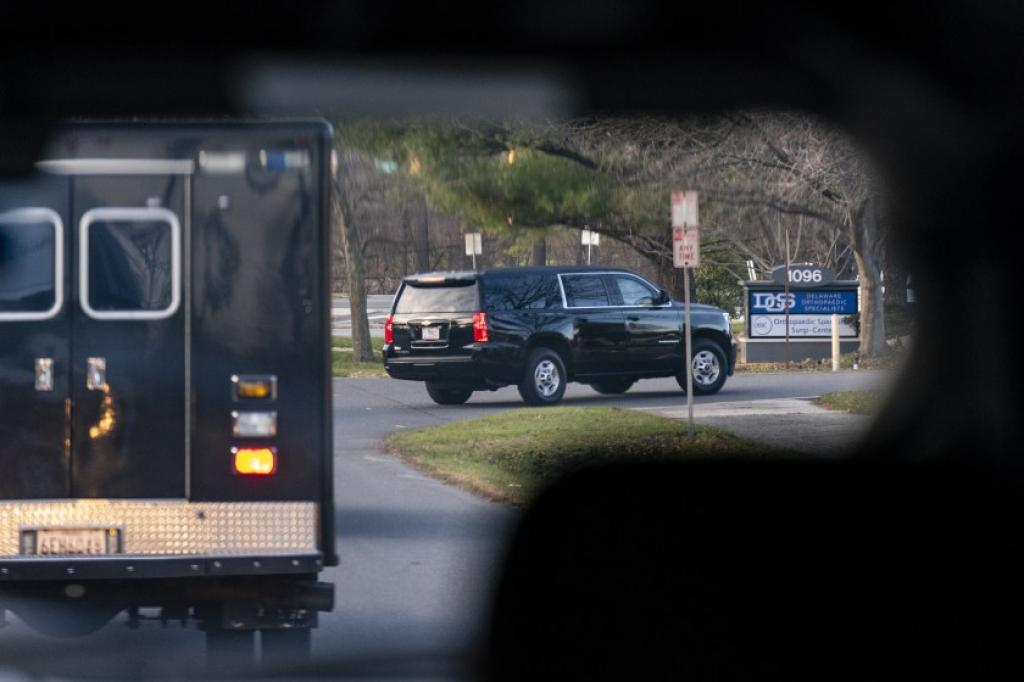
x: 165, y: 402
x: 539, y: 328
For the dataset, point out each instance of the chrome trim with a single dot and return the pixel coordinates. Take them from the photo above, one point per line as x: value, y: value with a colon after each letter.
x: 565, y: 300
x: 561, y: 287
x: 118, y: 166
x: 34, y: 215
x: 672, y: 341
x: 147, y: 213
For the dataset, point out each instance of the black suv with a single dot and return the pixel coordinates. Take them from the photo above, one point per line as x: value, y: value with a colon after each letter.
x: 539, y: 328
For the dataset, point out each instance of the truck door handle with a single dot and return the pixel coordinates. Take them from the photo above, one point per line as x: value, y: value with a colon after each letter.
x: 44, y: 374
x: 96, y: 374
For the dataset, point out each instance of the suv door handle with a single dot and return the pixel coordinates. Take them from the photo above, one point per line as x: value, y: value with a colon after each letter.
x: 633, y: 318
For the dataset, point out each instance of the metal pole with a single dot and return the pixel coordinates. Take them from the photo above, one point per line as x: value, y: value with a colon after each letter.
x: 835, y: 342
x: 590, y: 243
x: 474, y: 259
x: 786, y: 292
x: 689, y: 353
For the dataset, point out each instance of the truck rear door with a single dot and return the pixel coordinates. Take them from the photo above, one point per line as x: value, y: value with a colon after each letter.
x: 34, y: 340
x: 128, y: 371
x: 92, y: 335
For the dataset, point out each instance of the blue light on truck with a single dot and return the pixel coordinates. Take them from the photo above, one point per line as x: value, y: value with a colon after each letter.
x: 284, y: 159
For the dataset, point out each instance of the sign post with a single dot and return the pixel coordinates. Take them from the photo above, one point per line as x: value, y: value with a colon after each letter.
x: 686, y: 255
x: 835, y: 342
x: 590, y: 239
x: 474, y: 246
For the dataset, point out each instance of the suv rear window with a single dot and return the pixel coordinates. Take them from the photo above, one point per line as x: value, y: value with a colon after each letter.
x: 521, y: 292
x: 450, y: 298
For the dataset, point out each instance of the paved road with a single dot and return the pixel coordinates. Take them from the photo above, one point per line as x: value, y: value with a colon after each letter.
x: 377, y: 308
x: 417, y: 556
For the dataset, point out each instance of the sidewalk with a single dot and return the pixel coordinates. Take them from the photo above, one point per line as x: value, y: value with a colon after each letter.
x: 791, y: 423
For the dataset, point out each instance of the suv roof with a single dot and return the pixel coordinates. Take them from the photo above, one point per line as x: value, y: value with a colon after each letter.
x: 456, y: 275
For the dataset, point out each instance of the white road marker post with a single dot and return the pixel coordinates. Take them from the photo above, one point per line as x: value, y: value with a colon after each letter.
x: 686, y: 255
x: 474, y: 246
x: 688, y: 358
x: 835, y: 342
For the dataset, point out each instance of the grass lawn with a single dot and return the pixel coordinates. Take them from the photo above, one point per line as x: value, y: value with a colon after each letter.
x: 343, y: 365
x: 507, y: 456
x: 857, y: 402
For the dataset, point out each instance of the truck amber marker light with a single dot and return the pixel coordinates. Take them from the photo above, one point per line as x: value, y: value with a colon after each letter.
x: 255, y: 461
x: 254, y: 387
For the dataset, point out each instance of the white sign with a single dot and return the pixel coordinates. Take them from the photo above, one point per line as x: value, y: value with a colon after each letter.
x: 774, y: 326
x: 474, y: 244
x: 684, y: 209
x: 685, y: 248
x: 591, y: 238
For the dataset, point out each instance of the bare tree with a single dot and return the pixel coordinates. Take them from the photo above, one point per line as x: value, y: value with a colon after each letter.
x: 352, y: 246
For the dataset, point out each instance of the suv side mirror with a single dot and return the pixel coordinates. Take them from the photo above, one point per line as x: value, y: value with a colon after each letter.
x: 662, y: 297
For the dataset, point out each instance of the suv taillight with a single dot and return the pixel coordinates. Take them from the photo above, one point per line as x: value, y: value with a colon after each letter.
x: 480, y: 327
x: 389, y: 329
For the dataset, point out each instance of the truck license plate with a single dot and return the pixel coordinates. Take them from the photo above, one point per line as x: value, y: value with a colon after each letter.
x: 431, y: 333
x: 71, y: 541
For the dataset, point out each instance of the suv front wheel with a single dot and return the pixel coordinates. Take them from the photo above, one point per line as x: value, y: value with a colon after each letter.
x: 448, y: 396
x: 709, y: 368
x: 544, y: 380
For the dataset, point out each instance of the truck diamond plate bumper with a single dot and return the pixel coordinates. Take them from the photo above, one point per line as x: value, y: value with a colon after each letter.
x: 170, y: 528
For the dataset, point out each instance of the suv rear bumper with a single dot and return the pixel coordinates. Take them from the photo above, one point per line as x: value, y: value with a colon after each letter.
x: 485, y: 367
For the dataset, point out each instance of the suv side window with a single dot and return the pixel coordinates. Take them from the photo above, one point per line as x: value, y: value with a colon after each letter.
x: 585, y: 291
x: 521, y: 292
x: 634, y: 292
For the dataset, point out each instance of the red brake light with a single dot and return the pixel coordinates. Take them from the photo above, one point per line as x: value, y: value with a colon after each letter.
x: 480, y: 327
x: 389, y: 331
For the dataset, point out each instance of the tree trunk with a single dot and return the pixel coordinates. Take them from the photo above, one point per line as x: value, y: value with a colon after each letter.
x: 540, y: 252
x: 419, y: 223
x: 352, y: 247
x: 865, y: 238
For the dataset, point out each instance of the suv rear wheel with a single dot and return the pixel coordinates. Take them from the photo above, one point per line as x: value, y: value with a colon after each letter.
x: 448, y: 396
x: 544, y: 380
x: 709, y: 368
x: 613, y: 386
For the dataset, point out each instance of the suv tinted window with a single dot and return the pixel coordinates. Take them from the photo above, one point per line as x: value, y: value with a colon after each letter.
x: 585, y: 291
x: 521, y: 292
x: 633, y: 291
x: 453, y: 298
